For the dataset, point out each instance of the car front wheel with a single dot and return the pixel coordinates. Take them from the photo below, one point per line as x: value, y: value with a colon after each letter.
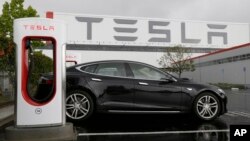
x: 207, y: 106
x: 79, y: 105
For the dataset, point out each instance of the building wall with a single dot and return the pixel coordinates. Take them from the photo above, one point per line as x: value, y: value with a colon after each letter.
x: 224, y: 73
x: 160, y: 33
x: 83, y: 56
x: 232, y: 66
x: 137, y: 31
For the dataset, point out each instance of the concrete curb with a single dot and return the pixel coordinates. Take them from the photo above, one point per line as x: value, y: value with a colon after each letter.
x: 8, y: 118
x: 54, y: 133
x: 6, y: 122
x: 6, y: 104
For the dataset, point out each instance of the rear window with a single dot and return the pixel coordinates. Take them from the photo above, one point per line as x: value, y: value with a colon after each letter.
x: 90, y: 68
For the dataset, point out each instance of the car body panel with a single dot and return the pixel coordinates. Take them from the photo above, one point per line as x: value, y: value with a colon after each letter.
x: 131, y: 95
x: 113, y: 93
x: 157, y: 95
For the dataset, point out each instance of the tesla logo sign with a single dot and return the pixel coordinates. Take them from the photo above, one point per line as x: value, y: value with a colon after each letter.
x: 39, y: 27
x: 157, y: 31
x: 71, y: 57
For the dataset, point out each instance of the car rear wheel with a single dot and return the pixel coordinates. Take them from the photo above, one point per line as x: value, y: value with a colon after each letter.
x: 79, y: 105
x: 207, y: 106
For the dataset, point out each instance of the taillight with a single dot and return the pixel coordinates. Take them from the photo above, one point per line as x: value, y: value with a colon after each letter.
x: 44, y: 80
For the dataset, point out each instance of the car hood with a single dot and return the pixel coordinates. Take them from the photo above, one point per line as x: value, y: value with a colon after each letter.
x: 199, y: 86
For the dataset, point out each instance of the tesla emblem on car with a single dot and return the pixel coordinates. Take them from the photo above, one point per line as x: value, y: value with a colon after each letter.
x: 38, y: 111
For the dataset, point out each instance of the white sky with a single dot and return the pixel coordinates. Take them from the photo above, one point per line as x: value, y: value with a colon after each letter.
x: 204, y: 10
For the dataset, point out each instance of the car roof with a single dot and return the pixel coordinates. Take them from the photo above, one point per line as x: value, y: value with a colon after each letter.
x: 117, y: 61
x: 111, y: 61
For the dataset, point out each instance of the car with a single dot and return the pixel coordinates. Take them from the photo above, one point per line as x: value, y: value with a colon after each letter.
x: 120, y: 86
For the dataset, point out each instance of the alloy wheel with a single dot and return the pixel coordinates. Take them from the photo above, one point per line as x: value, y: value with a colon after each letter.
x: 77, y: 106
x: 207, y: 107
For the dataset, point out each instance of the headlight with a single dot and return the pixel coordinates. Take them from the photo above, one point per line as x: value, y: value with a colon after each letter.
x: 220, y: 90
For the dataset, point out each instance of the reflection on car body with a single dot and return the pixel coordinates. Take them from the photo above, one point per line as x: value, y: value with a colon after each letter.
x: 152, y: 127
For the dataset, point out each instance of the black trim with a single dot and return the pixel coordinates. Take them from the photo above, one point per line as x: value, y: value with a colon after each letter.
x: 128, y: 70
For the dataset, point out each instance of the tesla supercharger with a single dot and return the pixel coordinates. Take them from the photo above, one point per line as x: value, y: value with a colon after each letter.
x: 46, y: 107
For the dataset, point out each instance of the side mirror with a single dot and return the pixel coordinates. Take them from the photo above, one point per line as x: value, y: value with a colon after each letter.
x: 185, y: 79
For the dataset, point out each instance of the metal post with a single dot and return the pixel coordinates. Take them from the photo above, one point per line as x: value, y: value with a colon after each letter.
x: 244, y: 70
x: 223, y: 80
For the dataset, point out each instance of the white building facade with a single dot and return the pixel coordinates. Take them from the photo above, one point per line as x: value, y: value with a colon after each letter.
x: 98, y: 37
x: 231, y: 65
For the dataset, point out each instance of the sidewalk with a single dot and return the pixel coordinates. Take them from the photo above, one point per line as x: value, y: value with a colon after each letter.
x: 6, y: 114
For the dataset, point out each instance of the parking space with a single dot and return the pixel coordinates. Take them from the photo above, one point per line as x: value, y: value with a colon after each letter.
x: 158, y: 127
x: 165, y: 127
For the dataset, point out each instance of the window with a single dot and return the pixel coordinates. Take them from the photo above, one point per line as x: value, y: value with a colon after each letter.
x: 90, y: 68
x: 248, y: 56
x: 224, y: 60
x: 111, y: 69
x: 144, y: 72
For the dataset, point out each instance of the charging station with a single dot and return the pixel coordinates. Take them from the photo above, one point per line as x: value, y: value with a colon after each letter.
x: 39, y: 108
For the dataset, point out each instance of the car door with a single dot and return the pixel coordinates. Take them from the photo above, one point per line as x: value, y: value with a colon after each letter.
x: 114, y: 89
x: 155, y: 90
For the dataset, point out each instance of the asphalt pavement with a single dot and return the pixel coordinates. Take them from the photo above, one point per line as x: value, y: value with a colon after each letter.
x: 167, y: 127
x: 239, y: 100
x: 162, y: 127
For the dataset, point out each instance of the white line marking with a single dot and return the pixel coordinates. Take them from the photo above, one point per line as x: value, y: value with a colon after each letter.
x: 230, y: 114
x: 151, y: 133
x: 240, y: 114
x: 247, y: 114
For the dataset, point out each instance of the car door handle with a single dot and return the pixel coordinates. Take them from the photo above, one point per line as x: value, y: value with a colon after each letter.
x: 96, y: 79
x: 143, y: 83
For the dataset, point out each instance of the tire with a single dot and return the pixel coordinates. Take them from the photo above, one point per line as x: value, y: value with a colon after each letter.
x: 207, y: 106
x: 79, y: 105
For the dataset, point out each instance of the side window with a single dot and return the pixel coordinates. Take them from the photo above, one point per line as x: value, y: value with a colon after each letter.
x: 111, y: 69
x: 145, y: 72
x: 90, y: 68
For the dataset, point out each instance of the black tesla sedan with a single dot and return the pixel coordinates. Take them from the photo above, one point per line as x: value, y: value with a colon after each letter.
x: 132, y: 87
